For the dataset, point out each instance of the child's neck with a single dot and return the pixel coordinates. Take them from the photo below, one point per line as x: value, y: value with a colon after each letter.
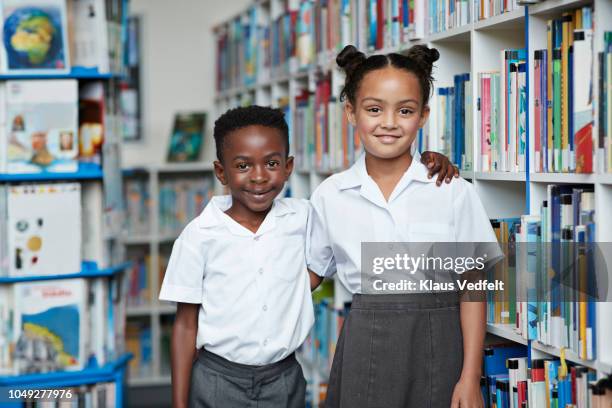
x: 386, y: 173
x: 250, y: 220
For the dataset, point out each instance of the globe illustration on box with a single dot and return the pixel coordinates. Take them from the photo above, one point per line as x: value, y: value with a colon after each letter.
x: 33, y: 39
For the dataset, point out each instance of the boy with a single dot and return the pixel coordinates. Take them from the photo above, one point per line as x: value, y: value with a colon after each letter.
x: 239, y: 274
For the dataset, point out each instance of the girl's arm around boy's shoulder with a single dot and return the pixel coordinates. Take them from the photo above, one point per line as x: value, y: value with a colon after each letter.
x: 183, y: 352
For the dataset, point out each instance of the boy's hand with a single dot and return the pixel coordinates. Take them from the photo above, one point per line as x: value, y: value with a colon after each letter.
x: 440, y: 164
x: 467, y: 394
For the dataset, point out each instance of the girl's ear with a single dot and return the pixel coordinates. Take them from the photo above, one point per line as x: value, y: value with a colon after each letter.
x: 220, y: 172
x: 424, y: 116
x: 350, y: 113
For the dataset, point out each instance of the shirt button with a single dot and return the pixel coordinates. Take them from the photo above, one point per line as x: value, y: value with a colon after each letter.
x: 256, y: 238
x: 265, y: 342
x: 265, y: 308
x: 261, y: 271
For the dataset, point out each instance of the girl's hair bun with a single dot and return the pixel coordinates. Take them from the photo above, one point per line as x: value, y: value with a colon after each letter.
x: 350, y: 58
x: 424, y: 55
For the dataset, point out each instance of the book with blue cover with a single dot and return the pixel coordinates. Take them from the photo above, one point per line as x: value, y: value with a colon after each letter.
x: 50, y: 325
x: 34, y: 37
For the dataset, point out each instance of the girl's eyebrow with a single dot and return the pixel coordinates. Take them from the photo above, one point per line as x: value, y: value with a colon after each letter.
x: 382, y: 101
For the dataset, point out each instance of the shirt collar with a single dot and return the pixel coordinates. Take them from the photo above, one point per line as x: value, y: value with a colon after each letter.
x: 214, y: 214
x: 357, y: 174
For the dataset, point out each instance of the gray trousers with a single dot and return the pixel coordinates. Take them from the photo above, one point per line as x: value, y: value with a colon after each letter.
x: 219, y: 383
x: 398, y: 351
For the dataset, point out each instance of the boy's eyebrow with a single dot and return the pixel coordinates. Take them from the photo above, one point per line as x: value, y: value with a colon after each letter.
x: 265, y: 157
x: 381, y: 101
x: 273, y: 154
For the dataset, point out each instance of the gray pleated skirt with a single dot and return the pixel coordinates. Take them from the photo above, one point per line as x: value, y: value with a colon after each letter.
x: 398, y: 351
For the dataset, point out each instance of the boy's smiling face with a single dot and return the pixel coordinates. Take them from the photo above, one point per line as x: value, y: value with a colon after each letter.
x: 255, y: 167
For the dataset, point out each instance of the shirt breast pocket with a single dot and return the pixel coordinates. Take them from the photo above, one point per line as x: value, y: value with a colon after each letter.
x: 286, y: 259
x: 430, y: 232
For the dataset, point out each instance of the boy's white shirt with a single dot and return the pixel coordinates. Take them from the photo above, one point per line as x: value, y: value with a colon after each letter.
x: 348, y: 208
x: 254, y: 290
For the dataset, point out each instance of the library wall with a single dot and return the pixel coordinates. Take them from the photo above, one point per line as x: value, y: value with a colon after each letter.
x: 178, y: 69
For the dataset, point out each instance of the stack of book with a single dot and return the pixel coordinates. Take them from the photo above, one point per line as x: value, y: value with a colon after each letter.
x: 550, y: 272
x: 508, y: 382
x: 563, y: 97
x: 501, y: 116
x: 454, y: 122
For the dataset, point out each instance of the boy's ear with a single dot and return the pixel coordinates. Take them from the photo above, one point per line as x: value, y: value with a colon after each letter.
x: 289, y: 167
x: 220, y: 172
x: 424, y: 116
x: 350, y: 113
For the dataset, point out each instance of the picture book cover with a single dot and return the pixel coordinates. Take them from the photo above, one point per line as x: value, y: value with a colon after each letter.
x: 41, y: 126
x: 50, y: 325
x: 44, y: 229
x: 34, y: 36
x: 186, y: 138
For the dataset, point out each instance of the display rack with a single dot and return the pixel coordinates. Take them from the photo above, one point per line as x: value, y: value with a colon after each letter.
x: 113, y: 371
x: 114, y: 368
x: 472, y: 48
x: 153, y: 243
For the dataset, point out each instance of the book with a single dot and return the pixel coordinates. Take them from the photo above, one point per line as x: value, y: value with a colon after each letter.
x: 186, y: 139
x: 50, y: 325
x: 35, y: 37
x: 43, y: 225
x: 89, y: 34
x: 40, y: 131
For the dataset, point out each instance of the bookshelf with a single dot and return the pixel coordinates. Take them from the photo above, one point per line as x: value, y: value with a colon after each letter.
x: 155, y: 243
x: 112, y: 367
x: 470, y: 48
x: 97, y: 369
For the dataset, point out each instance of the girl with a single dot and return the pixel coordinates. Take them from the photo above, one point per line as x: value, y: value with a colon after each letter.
x: 417, y: 350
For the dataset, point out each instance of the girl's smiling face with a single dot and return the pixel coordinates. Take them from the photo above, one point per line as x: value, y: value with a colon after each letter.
x: 388, y: 112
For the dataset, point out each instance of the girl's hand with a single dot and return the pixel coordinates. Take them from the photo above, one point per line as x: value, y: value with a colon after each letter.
x: 440, y: 164
x: 467, y: 394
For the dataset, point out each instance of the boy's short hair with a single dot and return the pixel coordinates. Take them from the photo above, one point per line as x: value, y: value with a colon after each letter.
x: 253, y: 115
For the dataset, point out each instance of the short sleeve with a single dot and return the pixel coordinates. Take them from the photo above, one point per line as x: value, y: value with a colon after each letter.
x: 473, y: 225
x: 319, y: 253
x: 185, y: 273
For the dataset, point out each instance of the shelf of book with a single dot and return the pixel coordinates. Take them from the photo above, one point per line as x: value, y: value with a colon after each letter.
x: 162, y: 199
x: 89, y: 270
x: 86, y: 171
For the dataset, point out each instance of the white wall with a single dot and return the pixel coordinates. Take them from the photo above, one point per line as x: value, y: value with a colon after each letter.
x: 177, y: 69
